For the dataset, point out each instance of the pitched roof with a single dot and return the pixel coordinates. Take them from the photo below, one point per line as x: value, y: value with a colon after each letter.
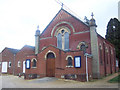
x: 32, y: 47
x: 71, y: 14
x: 12, y: 50
x: 29, y: 46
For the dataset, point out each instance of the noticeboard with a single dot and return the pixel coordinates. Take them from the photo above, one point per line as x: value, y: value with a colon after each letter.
x: 27, y: 63
x: 77, y: 61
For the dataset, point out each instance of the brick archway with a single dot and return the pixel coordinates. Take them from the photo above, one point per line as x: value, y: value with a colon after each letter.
x: 50, y: 65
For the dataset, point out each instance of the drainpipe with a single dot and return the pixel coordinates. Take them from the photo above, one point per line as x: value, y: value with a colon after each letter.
x: 87, y: 55
x: 14, y: 64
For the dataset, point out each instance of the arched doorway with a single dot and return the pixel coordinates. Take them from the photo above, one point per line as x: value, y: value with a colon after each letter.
x: 50, y: 65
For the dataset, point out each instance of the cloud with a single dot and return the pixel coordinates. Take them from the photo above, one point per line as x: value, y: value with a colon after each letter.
x: 19, y: 18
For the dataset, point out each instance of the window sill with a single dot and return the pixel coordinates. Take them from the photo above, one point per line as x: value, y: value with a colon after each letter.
x: 69, y: 66
x: 34, y: 67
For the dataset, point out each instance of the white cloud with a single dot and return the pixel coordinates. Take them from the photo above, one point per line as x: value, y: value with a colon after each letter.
x: 19, y: 18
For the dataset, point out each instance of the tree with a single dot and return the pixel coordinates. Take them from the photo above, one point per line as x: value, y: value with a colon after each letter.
x: 113, y: 35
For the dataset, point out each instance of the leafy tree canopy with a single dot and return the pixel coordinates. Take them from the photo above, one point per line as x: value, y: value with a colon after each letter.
x: 113, y: 34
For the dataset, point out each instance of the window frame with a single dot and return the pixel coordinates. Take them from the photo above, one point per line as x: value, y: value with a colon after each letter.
x: 100, y: 54
x: 34, y: 59
x: 63, y: 43
x: 69, y: 60
x: 19, y: 63
x: 10, y: 64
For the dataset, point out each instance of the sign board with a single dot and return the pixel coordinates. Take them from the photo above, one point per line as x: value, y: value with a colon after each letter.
x: 77, y: 61
x: 4, y: 67
x: 28, y: 64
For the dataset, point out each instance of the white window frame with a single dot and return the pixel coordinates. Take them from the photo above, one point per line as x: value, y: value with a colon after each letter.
x: 63, y: 38
x: 19, y: 63
x: 9, y: 64
x: 69, y: 66
x: 0, y: 64
x: 32, y: 63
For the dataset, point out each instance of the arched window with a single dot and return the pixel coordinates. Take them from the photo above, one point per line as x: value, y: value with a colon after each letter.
x: 59, y: 41
x: 50, y: 55
x: 34, y: 63
x: 66, y: 41
x: 63, y: 39
x: 106, y: 55
x: 9, y: 64
x: 83, y: 48
x: 19, y: 63
x: 69, y: 61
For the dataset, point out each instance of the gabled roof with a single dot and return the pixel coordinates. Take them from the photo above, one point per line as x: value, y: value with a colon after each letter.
x: 29, y: 46
x: 32, y: 47
x: 68, y: 14
x: 105, y: 39
x: 14, y: 51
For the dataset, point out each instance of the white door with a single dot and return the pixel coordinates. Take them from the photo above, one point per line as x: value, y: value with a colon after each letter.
x: 4, y: 67
x: 23, y: 66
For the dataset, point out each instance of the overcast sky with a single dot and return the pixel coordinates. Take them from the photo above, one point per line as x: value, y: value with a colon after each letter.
x: 19, y: 18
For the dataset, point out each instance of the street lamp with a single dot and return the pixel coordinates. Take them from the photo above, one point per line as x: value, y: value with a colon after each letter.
x: 90, y: 56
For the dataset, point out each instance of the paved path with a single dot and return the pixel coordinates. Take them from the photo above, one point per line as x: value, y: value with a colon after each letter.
x: 10, y: 81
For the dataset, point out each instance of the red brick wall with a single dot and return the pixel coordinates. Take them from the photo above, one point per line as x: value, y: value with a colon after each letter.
x: 111, y: 65
x: 60, y: 63
x: 6, y: 57
x: 21, y: 56
x: 74, y: 39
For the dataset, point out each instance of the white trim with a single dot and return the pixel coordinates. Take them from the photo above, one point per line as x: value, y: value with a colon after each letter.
x: 34, y: 59
x: 106, y: 49
x: 100, y: 46
x: 9, y: 64
x: 33, y: 67
x: 19, y: 63
x: 69, y: 66
x: 49, y: 52
x: 66, y: 29
x: 45, y: 38
x: 68, y: 57
x: 81, y: 32
x: 62, y: 23
x: 80, y: 43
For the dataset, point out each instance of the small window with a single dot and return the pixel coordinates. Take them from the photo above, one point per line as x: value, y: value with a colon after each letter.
x: 100, y: 53
x: 19, y: 63
x: 83, y: 48
x: 116, y: 63
x: 69, y: 61
x: 59, y: 41
x: 106, y: 55
x: 0, y: 64
x: 9, y: 64
x: 63, y: 39
x: 66, y: 41
x: 34, y: 63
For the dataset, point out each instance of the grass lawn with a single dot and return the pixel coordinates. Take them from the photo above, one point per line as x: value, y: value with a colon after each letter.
x: 115, y: 79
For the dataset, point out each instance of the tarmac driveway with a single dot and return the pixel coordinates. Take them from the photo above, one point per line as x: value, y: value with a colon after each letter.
x: 10, y: 81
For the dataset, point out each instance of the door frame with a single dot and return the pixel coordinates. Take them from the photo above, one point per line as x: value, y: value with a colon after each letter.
x: 51, y: 58
x: 23, y: 66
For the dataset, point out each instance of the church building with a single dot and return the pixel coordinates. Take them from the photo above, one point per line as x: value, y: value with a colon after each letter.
x: 69, y: 48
